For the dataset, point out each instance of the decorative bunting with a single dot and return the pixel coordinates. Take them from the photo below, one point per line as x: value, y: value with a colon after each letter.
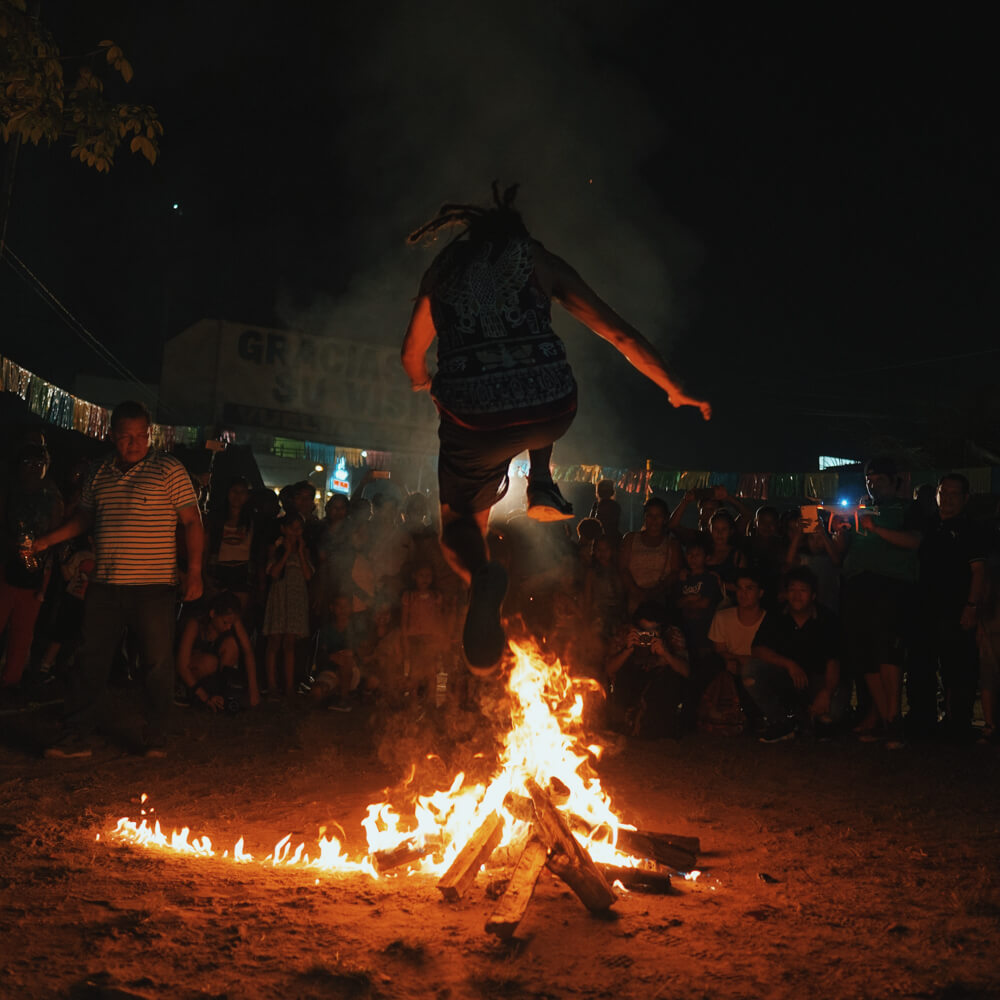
x: 62, y: 409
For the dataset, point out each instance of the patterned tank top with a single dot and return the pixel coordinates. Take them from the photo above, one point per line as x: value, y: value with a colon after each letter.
x: 499, y: 360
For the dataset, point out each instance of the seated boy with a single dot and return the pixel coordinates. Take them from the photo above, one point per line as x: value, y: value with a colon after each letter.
x: 339, y: 670
x: 794, y: 673
x: 208, y: 658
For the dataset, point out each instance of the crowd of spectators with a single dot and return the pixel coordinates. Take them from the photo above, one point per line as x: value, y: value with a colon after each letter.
x: 879, y: 622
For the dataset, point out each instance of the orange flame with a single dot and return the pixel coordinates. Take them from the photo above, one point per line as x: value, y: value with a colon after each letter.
x: 544, y: 743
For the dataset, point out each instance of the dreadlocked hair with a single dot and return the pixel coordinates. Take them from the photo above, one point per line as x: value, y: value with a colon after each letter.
x: 498, y: 221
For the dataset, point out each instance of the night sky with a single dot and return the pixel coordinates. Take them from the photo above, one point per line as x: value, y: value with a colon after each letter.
x: 798, y: 208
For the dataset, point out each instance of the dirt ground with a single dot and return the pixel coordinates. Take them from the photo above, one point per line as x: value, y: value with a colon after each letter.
x: 831, y: 870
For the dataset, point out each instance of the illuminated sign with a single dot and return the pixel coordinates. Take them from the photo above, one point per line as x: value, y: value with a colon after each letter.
x: 340, y: 479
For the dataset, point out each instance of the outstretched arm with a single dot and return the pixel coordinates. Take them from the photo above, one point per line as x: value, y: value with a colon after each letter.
x: 583, y: 303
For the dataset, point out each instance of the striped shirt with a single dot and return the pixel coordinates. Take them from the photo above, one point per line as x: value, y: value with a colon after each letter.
x: 135, y: 519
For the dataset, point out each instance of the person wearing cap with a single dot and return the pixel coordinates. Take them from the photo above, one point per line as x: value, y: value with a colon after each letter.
x: 880, y: 570
x: 503, y: 384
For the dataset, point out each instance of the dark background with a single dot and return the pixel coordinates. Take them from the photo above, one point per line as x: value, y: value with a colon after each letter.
x: 798, y: 207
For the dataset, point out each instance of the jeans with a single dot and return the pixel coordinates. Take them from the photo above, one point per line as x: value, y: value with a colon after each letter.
x: 150, y: 611
x: 773, y: 692
x: 19, y: 609
x: 943, y: 644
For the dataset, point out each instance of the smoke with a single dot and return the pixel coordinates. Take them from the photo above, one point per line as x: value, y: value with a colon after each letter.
x: 439, y: 99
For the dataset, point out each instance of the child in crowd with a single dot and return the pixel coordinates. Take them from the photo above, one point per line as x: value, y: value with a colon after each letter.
x: 425, y: 632
x: 208, y: 657
x: 608, y: 511
x: 588, y: 531
x: 810, y: 545
x: 725, y: 555
x: 339, y: 668
x: 77, y: 562
x: 697, y: 594
x: 286, y: 616
x: 381, y: 658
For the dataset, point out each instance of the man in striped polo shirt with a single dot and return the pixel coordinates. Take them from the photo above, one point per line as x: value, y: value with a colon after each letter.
x: 131, y: 506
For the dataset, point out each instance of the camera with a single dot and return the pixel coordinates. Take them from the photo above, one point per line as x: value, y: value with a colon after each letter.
x: 645, y: 638
x: 809, y: 515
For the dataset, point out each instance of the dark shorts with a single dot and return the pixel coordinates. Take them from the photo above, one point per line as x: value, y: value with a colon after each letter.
x: 473, y: 463
x: 878, y: 615
x: 234, y: 578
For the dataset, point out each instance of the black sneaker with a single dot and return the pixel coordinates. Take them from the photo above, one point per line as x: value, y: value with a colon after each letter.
x: 546, y: 503
x: 778, y: 733
x: 483, y: 638
x: 71, y: 745
x: 824, y: 731
x: 894, y: 738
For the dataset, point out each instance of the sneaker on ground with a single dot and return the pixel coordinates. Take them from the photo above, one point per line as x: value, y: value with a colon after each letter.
x: 824, y: 731
x: 894, y: 739
x: 70, y: 746
x: 483, y: 637
x: 546, y: 503
x: 875, y: 735
x: 778, y: 733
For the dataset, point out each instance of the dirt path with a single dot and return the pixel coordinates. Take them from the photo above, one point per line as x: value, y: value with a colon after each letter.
x: 882, y: 876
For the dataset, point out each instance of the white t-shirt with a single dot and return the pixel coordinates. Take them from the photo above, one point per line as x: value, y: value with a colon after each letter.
x: 728, y: 631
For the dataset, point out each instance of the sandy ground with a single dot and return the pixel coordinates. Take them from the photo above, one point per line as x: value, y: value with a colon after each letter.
x: 881, y: 874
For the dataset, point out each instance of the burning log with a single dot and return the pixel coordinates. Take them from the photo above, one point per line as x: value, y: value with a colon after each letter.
x: 405, y: 853
x: 672, y: 850
x: 638, y: 879
x: 519, y: 806
x: 666, y: 849
x: 567, y: 858
x: 476, y: 851
x: 514, y: 902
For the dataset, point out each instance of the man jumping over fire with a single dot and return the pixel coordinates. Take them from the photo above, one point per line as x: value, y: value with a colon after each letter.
x: 503, y: 385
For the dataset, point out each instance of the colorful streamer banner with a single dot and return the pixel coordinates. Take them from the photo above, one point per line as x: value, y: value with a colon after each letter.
x: 62, y: 409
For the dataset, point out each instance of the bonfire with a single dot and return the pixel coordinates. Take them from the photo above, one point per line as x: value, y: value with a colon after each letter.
x: 543, y: 806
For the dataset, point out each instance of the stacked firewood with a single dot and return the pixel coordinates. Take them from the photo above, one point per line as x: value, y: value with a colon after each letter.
x: 551, y: 845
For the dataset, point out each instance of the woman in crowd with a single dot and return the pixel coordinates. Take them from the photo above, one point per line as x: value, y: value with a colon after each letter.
x: 231, y: 544
x: 650, y: 558
x: 286, y: 615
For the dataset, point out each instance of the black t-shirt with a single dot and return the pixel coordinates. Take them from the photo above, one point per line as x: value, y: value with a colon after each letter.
x: 947, y: 552
x: 810, y: 645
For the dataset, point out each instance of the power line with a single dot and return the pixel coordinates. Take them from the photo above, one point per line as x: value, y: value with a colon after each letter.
x: 48, y: 297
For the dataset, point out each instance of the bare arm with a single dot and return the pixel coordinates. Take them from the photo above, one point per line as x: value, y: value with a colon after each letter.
x: 582, y: 302
x: 80, y: 523
x: 799, y: 677
x: 678, y: 514
x: 183, y: 658
x: 417, y: 341
x: 249, y: 661
x: 194, y: 541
